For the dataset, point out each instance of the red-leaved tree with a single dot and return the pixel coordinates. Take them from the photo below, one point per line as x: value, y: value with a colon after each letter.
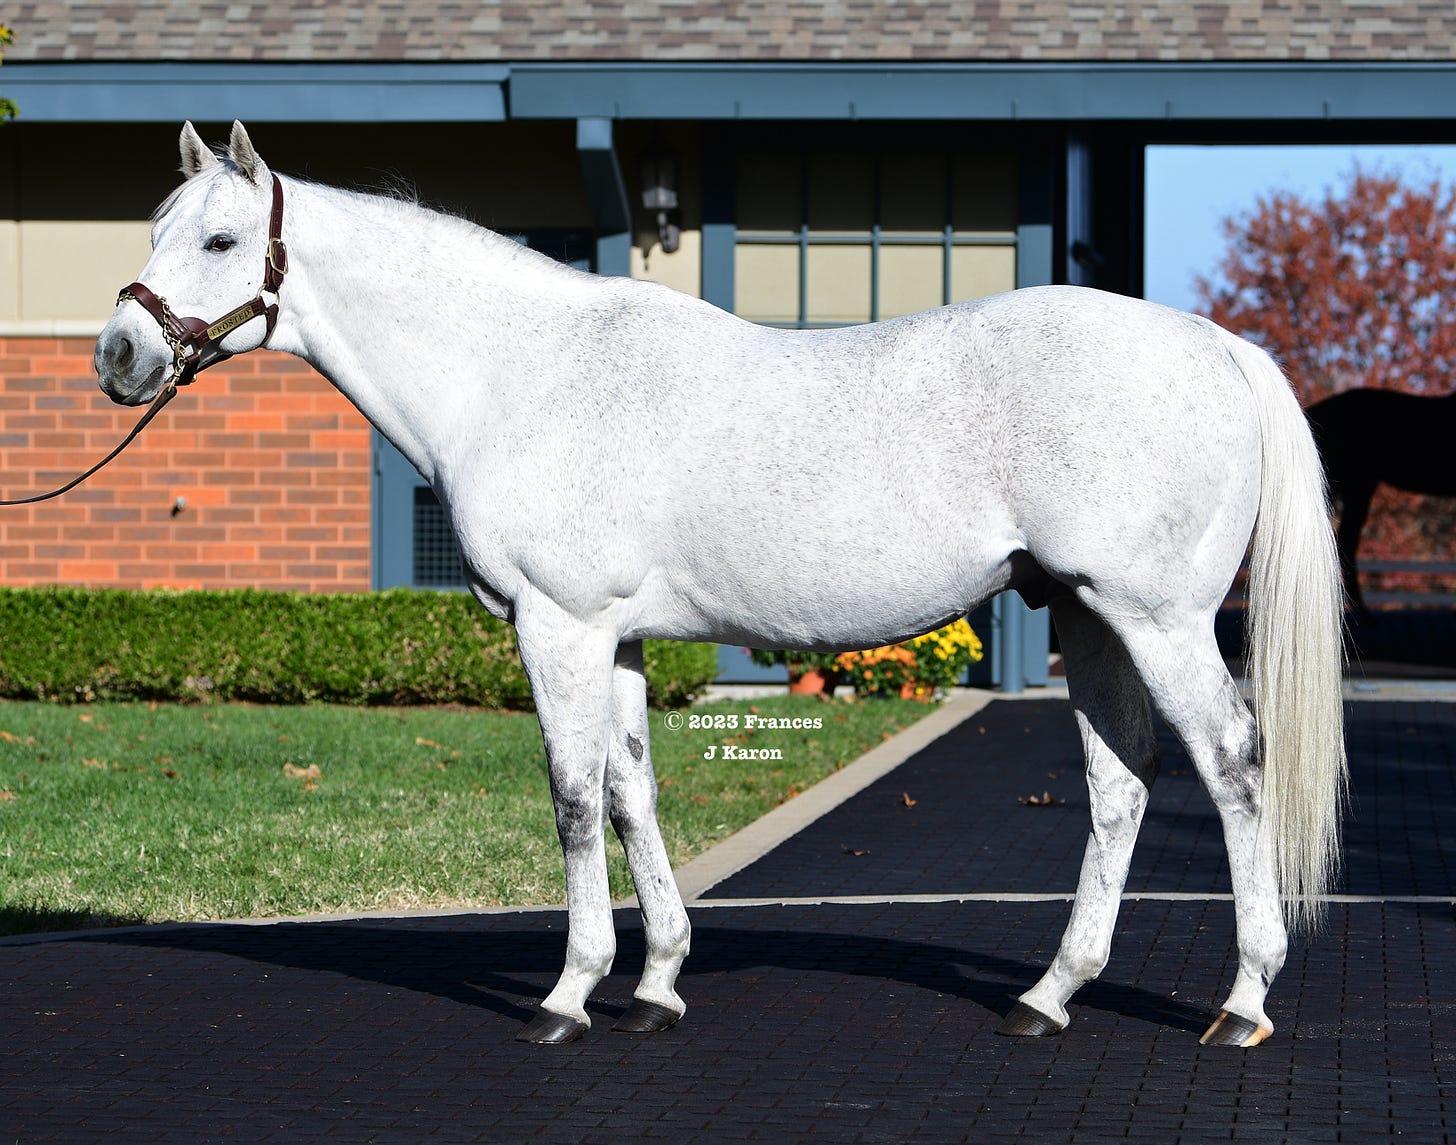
x: 1355, y: 290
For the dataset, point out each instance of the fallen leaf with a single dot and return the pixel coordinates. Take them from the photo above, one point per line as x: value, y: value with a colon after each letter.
x: 85, y: 717
x: 311, y: 772
x: 9, y: 737
x: 698, y: 798
x: 101, y: 763
x: 1045, y: 799
x: 4, y: 795
x: 169, y: 773
x: 905, y: 799
x: 422, y: 742
x: 852, y: 851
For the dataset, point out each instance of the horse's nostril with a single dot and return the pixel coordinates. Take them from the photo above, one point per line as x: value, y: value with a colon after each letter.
x: 123, y: 353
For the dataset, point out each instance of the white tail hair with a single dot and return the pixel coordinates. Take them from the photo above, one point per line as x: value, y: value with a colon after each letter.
x: 1294, y: 647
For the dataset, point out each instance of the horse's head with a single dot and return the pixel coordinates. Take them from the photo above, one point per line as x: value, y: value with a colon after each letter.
x: 214, y: 244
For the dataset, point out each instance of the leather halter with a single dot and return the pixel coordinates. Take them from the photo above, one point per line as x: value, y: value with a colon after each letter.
x: 196, y: 342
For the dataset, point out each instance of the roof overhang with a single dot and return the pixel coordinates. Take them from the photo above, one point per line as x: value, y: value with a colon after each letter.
x: 303, y: 92
x: 986, y: 92
x: 401, y: 92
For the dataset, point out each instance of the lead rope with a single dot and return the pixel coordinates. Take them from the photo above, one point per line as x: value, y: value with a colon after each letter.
x: 166, y: 394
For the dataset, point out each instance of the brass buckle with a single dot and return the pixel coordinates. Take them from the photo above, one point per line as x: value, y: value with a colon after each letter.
x: 278, y: 256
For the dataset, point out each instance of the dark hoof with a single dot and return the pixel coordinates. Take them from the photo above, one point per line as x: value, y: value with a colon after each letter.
x: 646, y: 1018
x: 548, y: 1029
x: 1232, y: 1030
x: 1024, y: 1022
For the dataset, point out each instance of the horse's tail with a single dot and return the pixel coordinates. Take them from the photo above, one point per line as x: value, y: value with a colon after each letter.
x: 1294, y: 647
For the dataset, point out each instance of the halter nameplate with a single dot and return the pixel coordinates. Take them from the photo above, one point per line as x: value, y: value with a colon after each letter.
x: 226, y: 325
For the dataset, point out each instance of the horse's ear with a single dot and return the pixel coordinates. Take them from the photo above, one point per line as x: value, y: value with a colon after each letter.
x: 240, y: 151
x: 196, y: 157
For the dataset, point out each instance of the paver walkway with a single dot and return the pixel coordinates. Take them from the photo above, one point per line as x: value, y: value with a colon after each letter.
x: 844, y: 1021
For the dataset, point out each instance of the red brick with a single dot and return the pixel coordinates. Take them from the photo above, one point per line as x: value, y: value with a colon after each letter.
x: 266, y: 452
x: 92, y: 572
x: 284, y: 552
x: 341, y: 553
x: 243, y: 572
x: 312, y: 497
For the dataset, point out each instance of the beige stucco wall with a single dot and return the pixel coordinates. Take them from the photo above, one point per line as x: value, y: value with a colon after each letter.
x: 63, y: 271
x: 682, y: 270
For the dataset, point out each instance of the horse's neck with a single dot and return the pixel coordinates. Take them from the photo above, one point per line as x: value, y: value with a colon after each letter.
x: 405, y: 312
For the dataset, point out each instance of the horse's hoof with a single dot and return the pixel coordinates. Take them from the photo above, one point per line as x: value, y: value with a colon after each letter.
x: 548, y: 1029
x: 1232, y: 1030
x: 1025, y: 1022
x: 646, y: 1018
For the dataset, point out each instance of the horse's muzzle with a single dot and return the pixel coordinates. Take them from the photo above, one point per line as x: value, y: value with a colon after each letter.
x: 131, y: 364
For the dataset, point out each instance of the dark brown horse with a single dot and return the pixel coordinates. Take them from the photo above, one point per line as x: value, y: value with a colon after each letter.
x: 1369, y: 436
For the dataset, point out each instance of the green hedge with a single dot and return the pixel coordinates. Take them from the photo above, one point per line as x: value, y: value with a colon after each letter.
x: 394, y: 647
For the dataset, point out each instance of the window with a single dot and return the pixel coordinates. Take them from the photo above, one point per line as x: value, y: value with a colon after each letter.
x: 830, y: 239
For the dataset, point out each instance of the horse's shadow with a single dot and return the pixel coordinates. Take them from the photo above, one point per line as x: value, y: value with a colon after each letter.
x: 508, y: 971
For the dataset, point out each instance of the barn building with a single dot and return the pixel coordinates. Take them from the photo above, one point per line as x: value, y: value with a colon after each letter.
x: 799, y: 164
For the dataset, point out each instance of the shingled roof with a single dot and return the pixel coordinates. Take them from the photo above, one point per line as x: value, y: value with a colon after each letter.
x: 724, y: 30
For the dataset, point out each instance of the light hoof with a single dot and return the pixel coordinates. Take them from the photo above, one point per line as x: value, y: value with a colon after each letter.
x: 548, y: 1029
x: 1232, y: 1030
x: 643, y: 1017
x: 1025, y: 1022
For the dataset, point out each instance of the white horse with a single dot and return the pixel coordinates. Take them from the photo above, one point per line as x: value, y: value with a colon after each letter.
x: 611, y: 456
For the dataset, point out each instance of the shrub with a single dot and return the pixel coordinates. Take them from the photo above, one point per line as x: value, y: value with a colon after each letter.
x: 393, y: 647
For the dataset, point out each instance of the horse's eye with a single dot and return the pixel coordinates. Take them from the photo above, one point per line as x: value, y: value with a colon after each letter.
x: 220, y: 243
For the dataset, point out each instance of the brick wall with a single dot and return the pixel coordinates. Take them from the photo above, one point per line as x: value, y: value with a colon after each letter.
x: 272, y: 463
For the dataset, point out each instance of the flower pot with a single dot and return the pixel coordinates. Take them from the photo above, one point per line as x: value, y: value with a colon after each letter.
x: 806, y: 682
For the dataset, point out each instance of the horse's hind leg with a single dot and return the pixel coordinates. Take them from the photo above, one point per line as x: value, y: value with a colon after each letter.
x: 1354, y: 509
x: 632, y: 805
x: 1186, y: 676
x: 1111, y: 707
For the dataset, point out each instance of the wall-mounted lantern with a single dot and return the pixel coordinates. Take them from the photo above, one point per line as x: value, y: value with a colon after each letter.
x: 659, y: 193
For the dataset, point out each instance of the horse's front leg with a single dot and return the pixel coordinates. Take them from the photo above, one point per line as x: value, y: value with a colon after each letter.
x: 569, y: 665
x: 632, y: 805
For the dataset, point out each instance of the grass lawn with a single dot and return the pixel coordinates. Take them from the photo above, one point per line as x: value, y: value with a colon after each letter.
x: 121, y: 813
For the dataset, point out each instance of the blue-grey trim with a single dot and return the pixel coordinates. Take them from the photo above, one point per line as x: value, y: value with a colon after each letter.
x: 397, y: 91
x: 1048, y: 91
x: 608, y: 194
x: 308, y: 92
x: 392, y: 540
x: 720, y: 216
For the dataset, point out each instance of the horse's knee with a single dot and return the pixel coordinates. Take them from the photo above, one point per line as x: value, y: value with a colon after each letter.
x: 578, y: 822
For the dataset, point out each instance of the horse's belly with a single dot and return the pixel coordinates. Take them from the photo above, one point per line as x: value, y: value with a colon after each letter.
x: 761, y: 596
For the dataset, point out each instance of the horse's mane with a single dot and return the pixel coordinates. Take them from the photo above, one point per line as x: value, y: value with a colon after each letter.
x: 398, y: 198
